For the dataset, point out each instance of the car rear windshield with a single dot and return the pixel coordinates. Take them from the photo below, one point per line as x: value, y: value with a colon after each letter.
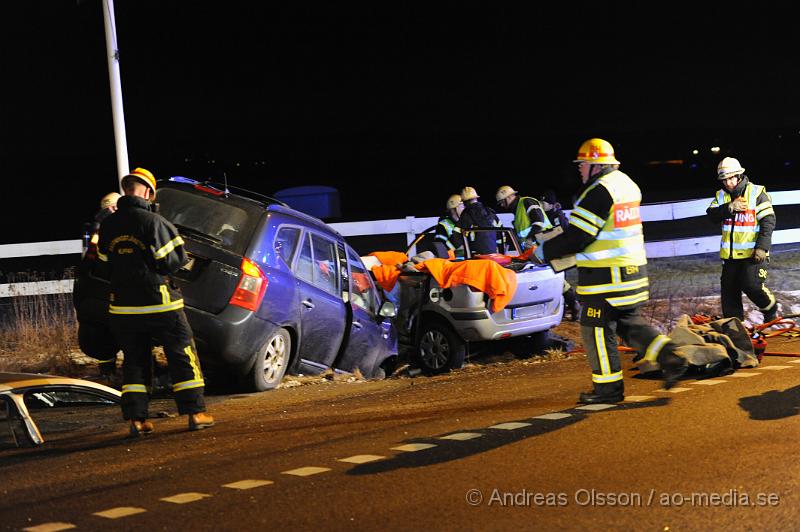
x: 213, y: 220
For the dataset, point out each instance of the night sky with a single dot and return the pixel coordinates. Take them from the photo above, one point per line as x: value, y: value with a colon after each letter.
x: 395, y: 104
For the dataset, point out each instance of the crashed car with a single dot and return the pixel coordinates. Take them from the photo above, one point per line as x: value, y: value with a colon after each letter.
x: 32, y: 405
x: 437, y: 324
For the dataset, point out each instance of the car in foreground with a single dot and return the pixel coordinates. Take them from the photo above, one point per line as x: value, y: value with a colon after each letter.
x: 437, y: 326
x: 32, y: 405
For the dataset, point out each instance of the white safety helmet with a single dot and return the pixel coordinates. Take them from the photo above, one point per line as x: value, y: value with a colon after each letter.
x: 504, y: 192
x: 729, y: 167
x: 454, y: 201
x: 109, y: 200
x: 468, y: 193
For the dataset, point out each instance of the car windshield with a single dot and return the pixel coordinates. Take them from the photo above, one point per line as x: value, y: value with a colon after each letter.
x: 209, y: 219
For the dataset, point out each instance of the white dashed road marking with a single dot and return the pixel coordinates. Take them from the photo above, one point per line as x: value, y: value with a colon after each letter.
x: 462, y: 436
x: 414, y: 447
x: 306, y: 471
x: 553, y: 416
x: 361, y: 458
x: 596, y: 407
x: 709, y: 382
x: 121, y: 511
x: 795, y: 362
x: 247, y: 484
x: 674, y: 390
x: 740, y: 375
x: 183, y: 498
x: 512, y: 425
x: 49, y: 527
x: 639, y: 398
x: 776, y: 368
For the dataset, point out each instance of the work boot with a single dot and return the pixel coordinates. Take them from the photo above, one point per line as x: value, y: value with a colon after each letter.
x: 604, y: 393
x: 771, y: 313
x: 200, y: 420
x: 140, y: 427
x: 673, y: 367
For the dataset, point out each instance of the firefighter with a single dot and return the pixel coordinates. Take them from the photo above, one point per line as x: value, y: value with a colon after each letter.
x: 529, y: 217
x: 476, y: 214
x: 748, y: 219
x: 552, y: 208
x: 605, y: 234
x: 142, y: 249
x: 448, y: 233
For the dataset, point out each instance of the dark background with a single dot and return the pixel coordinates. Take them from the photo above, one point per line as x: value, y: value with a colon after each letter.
x: 397, y: 105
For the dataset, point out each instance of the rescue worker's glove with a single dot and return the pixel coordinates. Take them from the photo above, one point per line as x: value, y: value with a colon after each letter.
x: 528, y: 243
x: 738, y: 205
x: 759, y: 255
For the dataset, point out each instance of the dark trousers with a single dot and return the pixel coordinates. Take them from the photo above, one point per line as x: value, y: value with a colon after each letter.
x: 136, y: 335
x: 601, y: 324
x: 744, y: 275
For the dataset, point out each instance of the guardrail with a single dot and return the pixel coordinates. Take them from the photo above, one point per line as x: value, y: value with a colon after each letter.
x: 411, y: 226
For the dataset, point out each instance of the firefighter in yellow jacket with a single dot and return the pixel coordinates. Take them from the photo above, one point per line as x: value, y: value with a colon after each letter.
x: 605, y: 235
x: 748, y: 219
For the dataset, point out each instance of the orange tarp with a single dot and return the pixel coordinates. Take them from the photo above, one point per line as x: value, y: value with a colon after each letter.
x: 485, y: 275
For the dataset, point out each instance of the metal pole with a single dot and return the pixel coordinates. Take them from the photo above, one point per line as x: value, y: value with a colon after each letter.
x: 112, y: 53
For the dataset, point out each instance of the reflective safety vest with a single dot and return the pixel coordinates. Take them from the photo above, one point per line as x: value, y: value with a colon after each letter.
x: 449, y: 227
x: 740, y: 231
x: 522, y: 221
x: 613, y: 266
x: 619, y: 239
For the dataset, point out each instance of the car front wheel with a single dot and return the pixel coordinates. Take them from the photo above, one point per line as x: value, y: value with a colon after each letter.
x: 272, y: 360
x: 440, y: 349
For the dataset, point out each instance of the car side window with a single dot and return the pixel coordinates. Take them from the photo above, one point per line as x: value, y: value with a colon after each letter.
x: 286, y: 243
x: 326, y: 266
x: 362, y: 290
x: 305, y: 263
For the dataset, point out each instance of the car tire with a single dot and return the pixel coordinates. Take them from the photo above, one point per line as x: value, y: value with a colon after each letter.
x: 440, y: 349
x: 272, y: 360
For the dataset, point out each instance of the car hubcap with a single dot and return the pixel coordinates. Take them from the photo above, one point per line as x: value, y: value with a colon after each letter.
x: 435, y: 349
x: 275, y: 358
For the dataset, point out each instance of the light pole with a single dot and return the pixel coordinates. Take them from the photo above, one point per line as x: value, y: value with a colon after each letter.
x: 112, y: 53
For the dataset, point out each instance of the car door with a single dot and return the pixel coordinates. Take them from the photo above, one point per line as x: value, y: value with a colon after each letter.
x: 323, y: 315
x: 372, y: 338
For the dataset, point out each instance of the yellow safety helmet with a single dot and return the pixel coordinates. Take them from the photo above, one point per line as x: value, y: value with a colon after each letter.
x: 596, y: 151
x: 145, y: 176
x: 504, y: 192
x: 109, y: 200
x: 729, y: 167
x: 453, y: 201
x: 468, y: 193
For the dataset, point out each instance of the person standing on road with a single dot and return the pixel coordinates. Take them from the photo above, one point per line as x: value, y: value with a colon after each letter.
x: 748, y: 219
x: 530, y: 221
x: 448, y: 233
x: 605, y: 234
x: 552, y: 208
x: 476, y: 214
x: 143, y: 249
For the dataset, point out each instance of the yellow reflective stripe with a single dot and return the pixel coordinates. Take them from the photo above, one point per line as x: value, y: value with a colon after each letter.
x: 621, y: 301
x: 584, y: 226
x: 605, y: 379
x: 616, y: 275
x: 168, y: 247
x: 150, y: 309
x: 198, y: 375
x: 771, y: 297
x: 602, y: 353
x: 102, y: 257
x: 164, y: 294
x: 765, y: 212
x: 134, y: 388
x: 655, y: 347
x: 187, y: 385
x: 589, y: 216
x: 613, y: 287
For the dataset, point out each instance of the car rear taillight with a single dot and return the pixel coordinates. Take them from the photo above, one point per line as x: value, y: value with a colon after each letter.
x: 251, y: 287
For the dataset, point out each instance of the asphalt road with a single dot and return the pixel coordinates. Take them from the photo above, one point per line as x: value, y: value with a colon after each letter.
x: 500, y: 446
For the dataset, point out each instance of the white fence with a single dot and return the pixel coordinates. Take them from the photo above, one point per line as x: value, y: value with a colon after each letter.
x: 412, y: 226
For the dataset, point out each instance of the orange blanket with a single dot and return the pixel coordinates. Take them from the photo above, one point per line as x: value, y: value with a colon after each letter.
x: 485, y: 275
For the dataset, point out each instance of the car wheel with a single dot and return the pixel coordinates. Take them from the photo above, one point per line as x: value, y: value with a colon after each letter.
x: 440, y: 349
x: 271, y: 362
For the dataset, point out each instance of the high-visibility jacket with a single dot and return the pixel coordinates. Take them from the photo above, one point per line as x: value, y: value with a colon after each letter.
x: 449, y: 233
x: 740, y: 230
x: 142, y: 249
x: 526, y: 207
x: 605, y: 233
